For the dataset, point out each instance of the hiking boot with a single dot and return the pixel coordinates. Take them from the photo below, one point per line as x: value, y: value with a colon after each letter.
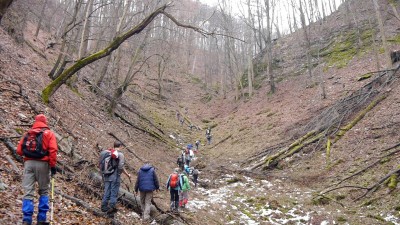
x: 112, y: 210
x: 43, y: 223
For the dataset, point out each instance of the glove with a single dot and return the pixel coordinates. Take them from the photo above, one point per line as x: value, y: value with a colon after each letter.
x: 53, y: 171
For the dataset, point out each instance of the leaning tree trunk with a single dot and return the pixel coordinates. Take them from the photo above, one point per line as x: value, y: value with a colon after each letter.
x: 54, y: 85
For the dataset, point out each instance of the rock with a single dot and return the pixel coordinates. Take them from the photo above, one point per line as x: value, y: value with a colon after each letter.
x: 22, y: 117
x: 3, y: 186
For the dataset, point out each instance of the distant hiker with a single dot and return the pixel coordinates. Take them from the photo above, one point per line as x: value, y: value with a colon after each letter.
x: 186, y: 169
x: 191, y: 126
x: 195, y: 174
x: 180, y: 162
x: 178, y: 116
x: 208, y: 135
x: 184, y: 196
x: 146, y: 183
x: 188, y: 157
x: 39, y: 149
x: 197, y: 144
x: 174, y: 185
x: 111, y: 165
x: 181, y: 121
x: 186, y: 110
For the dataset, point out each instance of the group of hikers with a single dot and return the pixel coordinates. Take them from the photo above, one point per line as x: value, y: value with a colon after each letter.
x: 39, y: 150
x: 178, y: 182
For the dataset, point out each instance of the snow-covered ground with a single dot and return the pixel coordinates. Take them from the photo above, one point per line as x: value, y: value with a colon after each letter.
x: 246, y: 202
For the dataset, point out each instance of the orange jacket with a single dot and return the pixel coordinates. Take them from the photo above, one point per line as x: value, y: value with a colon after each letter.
x: 49, y: 143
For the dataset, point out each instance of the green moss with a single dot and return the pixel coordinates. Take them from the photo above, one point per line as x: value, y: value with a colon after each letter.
x: 395, y: 39
x: 377, y: 217
x: 368, y: 202
x: 19, y: 130
x: 247, y: 213
x: 233, y: 180
x: 340, y: 197
x: 393, y: 181
x: 321, y: 200
x: 250, y: 200
x: 346, y: 46
x: 364, y: 77
x: 341, y: 219
x: 384, y: 160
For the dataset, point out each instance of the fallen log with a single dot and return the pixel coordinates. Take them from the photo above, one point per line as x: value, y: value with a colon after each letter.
x: 12, y: 163
x: 129, y: 199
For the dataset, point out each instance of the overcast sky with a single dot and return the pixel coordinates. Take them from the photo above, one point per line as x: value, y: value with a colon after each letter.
x: 209, y: 2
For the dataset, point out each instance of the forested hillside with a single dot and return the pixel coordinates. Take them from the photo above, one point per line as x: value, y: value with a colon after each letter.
x: 302, y: 99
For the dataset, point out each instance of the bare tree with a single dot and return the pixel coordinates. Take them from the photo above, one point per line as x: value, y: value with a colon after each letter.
x: 306, y: 37
x: 41, y: 15
x: 4, y: 4
x: 112, y: 46
x: 383, y: 35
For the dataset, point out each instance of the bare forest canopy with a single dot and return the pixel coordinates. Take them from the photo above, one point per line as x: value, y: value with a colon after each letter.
x: 83, y: 32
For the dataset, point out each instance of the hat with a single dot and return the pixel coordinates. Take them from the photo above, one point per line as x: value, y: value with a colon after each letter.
x: 41, y: 118
x: 176, y: 170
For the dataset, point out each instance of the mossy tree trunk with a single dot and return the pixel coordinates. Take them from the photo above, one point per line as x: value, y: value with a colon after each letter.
x: 48, y: 92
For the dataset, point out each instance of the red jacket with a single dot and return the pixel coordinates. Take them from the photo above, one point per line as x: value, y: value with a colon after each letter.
x: 49, y: 143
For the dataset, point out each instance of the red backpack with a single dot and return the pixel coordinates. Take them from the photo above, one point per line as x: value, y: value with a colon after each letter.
x: 174, y: 181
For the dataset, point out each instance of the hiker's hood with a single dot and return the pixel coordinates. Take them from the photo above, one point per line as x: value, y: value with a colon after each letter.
x: 40, y: 122
x: 146, y: 167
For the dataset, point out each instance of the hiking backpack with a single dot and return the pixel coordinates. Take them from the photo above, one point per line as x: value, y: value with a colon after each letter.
x: 174, y: 181
x: 109, y: 162
x: 32, y: 145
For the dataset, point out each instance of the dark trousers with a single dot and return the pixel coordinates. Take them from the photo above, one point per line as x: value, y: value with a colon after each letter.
x: 195, y: 176
x: 174, y: 199
x: 174, y: 195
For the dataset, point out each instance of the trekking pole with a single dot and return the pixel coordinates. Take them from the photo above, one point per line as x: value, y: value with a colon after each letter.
x: 52, y: 199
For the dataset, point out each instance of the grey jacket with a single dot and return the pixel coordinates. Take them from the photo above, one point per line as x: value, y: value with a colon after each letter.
x: 117, y: 173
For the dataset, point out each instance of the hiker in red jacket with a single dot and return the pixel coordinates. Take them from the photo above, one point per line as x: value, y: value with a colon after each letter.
x: 39, y: 161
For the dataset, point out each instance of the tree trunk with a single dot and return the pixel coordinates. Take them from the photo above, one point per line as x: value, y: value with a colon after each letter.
x: 250, y: 72
x: 85, y: 30
x: 388, y: 61
x: 41, y: 18
x: 306, y: 38
x: 48, y: 92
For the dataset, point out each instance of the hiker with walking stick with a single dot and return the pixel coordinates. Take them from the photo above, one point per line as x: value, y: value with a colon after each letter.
x: 39, y: 149
x: 111, y: 164
x: 146, y: 183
